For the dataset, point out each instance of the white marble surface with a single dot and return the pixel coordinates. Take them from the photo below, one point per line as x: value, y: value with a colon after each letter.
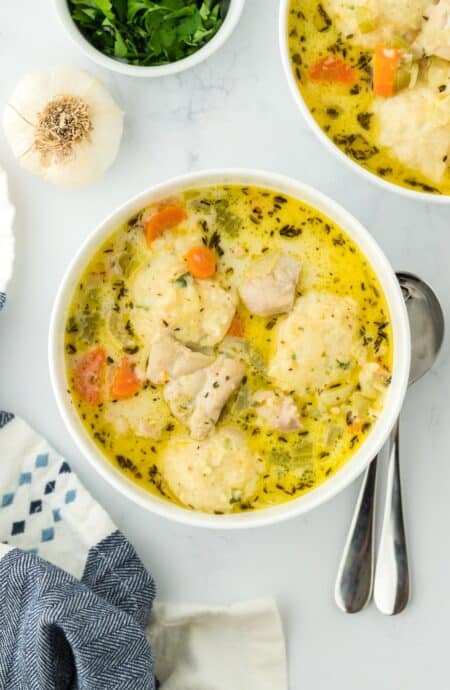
x: 236, y: 110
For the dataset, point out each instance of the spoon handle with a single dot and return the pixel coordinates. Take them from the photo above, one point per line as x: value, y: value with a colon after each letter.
x: 354, y: 580
x: 392, y: 582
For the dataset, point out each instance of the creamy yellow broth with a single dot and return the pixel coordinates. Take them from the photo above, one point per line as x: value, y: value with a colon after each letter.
x: 241, y: 224
x: 345, y: 113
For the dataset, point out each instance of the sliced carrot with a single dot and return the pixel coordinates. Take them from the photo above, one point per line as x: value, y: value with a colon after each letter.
x: 201, y: 262
x: 89, y: 375
x: 163, y: 219
x: 237, y: 327
x: 333, y: 68
x: 125, y: 382
x: 385, y: 63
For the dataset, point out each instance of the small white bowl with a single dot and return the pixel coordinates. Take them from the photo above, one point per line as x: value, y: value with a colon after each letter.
x: 375, y: 439
x: 298, y: 98
x: 225, y: 31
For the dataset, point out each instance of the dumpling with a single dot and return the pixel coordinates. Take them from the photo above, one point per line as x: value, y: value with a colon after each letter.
x: 145, y: 415
x: 198, y: 312
x: 415, y: 125
x: 434, y: 39
x: 377, y: 22
x: 214, y: 475
x: 316, y: 343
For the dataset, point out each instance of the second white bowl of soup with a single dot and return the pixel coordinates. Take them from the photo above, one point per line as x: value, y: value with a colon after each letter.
x: 229, y: 349
x: 372, y: 79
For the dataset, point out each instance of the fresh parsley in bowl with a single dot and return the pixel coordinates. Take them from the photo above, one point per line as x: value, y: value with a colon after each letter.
x: 149, y: 37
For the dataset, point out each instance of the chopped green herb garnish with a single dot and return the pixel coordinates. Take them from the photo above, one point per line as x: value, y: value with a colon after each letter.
x: 322, y: 20
x: 72, y: 326
x: 214, y: 243
x: 364, y: 120
x: 148, y: 32
x: 182, y: 281
x: 290, y: 231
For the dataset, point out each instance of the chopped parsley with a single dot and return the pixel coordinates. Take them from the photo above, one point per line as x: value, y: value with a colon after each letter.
x: 148, y: 32
x: 182, y: 281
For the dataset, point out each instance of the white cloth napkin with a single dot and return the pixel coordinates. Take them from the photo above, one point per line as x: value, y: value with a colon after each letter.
x: 239, y: 647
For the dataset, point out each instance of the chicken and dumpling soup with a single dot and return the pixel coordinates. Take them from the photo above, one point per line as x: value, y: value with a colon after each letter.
x: 375, y: 75
x: 228, y: 348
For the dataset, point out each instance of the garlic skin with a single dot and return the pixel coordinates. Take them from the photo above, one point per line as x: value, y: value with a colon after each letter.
x: 63, y: 125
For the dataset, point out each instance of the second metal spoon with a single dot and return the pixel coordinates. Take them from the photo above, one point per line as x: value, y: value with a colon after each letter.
x: 354, y: 583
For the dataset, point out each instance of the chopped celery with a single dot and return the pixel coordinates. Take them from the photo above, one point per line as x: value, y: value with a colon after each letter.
x: 366, y: 20
x: 402, y: 78
x: 406, y: 76
x: 414, y: 75
x: 400, y: 43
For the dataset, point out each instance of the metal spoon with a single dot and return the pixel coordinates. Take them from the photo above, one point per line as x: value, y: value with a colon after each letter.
x: 354, y: 581
x: 392, y: 586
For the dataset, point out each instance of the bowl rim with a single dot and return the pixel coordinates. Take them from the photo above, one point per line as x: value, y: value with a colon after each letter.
x: 283, y: 15
x: 231, y: 20
x: 352, y: 468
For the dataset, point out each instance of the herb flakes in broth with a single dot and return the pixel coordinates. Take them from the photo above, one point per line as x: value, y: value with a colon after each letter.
x: 239, y: 383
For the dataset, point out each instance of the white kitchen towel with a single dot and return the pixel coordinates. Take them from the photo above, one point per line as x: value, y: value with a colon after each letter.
x: 239, y: 647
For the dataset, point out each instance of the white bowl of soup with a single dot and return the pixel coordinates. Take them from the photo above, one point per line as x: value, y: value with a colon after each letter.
x: 372, y: 79
x: 229, y: 348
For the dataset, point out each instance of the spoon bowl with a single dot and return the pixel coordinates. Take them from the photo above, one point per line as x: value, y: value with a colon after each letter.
x: 426, y: 320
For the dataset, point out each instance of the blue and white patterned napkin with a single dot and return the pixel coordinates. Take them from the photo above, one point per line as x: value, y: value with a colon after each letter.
x: 74, y: 597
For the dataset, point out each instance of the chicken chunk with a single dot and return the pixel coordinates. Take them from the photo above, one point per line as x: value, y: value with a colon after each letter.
x: 277, y: 410
x: 170, y: 359
x: 373, y: 379
x: 434, y: 39
x: 223, y: 378
x: 269, y: 287
x: 197, y: 399
x: 182, y: 393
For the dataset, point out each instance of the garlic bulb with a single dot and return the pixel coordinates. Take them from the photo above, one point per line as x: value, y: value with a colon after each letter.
x: 63, y: 125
